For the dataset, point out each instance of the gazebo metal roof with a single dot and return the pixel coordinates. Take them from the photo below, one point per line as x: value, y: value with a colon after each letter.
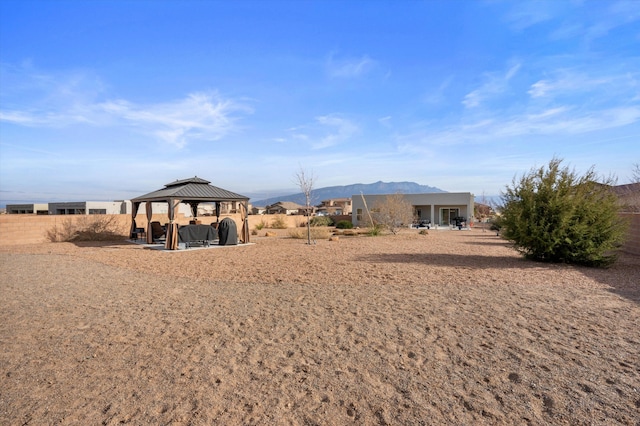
x: 191, y: 189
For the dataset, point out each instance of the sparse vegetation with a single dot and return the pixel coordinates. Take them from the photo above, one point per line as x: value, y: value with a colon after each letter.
x: 554, y: 215
x: 87, y: 228
x: 375, y: 231
x: 393, y: 213
x: 316, y: 233
x: 260, y: 225
x: 279, y: 222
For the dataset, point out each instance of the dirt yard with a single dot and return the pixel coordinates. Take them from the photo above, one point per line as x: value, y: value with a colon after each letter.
x: 452, y: 327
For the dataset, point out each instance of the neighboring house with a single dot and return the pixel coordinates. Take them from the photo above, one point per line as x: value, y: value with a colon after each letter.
x: 90, y: 207
x: 108, y: 207
x: 438, y: 208
x: 209, y: 209
x: 27, y: 208
x: 334, y: 207
x: 285, y: 207
x: 257, y: 210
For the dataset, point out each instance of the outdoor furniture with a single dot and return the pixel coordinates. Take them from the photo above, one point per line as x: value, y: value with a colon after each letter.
x: 137, y: 232
x: 157, y: 231
x: 191, y: 234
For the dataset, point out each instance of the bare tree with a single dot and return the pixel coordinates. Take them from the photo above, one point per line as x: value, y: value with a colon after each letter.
x: 305, y: 182
x: 393, y: 213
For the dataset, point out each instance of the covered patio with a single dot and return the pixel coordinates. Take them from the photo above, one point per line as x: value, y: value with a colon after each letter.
x: 192, y: 191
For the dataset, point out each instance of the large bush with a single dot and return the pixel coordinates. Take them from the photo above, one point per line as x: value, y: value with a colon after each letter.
x: 344, y: 224
x: 321, y: 221
x: 553, y: 214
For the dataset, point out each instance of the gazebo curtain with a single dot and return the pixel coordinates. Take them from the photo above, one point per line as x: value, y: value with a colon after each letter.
x: 171, y: 242
x: 149, y: 216
x: 245, y: 223
x: 134, y: 212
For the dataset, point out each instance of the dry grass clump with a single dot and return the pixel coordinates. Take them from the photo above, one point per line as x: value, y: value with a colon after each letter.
x: 352, y: 232
x: 262, y: 224
x: 317, y: 233
x: 279, y: 222
x: 87, y: 228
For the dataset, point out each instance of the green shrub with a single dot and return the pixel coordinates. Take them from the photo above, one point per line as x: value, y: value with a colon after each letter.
x: 344, y: 224
x: 261, y: 224
x: 554, y: 215
x: 496, y: 224
x: 375, y: 231
x: 321, y: 221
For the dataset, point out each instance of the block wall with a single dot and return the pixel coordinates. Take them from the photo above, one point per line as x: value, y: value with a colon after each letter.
x: 632, y: 245
x: 33, y: 229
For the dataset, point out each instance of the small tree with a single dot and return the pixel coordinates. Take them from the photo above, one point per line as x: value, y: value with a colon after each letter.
x: 305, y: 181
x: 552, y: 214
x: 393, y: 213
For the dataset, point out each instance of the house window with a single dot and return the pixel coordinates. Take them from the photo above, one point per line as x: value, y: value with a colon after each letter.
x: 97, y: 211
x: 358, y: 215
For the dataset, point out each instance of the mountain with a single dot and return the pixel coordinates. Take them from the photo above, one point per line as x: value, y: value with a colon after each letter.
x: 347, y: 191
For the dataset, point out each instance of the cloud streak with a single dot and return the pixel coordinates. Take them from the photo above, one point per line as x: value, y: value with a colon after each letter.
x: 62, y: 103
x: 348, y: 67
x: 494, y: 85
x: 554, y: 121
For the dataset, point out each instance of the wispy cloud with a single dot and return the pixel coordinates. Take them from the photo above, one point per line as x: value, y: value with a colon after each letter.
x: 566, y: 82
x: 437, y: 95
x: 348, y: 67
x: 325, y: 131
x: 553, y: 121
x: 494, y: 84
x: 340, y: 130
x: 60, y: 102
x: 199, y: 116
x: 527, y: 13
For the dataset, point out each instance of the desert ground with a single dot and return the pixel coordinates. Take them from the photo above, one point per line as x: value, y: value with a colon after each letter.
x: 453, y: 327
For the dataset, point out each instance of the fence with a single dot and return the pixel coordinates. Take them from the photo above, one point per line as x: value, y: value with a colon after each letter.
x: 632, y: 245
x: 33, y: 229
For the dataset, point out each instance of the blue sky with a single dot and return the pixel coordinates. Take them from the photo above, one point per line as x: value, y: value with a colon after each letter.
x: 103, y: 100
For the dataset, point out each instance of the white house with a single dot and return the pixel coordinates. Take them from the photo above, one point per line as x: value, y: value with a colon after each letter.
x: 41, y: 208
x: 438, y: 208
x: 108, y: 207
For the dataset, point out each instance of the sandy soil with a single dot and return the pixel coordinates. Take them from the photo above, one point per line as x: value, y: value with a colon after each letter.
x: 447, y: 328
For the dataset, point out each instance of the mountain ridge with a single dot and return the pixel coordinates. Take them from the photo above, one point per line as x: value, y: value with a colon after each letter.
x: 347, y: 191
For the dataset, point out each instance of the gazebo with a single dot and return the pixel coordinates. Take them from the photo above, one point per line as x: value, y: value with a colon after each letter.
x: 192, y: 191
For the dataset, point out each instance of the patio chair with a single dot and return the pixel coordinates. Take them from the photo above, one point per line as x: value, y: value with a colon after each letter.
x: 157, y: 231
x: 137, y: 231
